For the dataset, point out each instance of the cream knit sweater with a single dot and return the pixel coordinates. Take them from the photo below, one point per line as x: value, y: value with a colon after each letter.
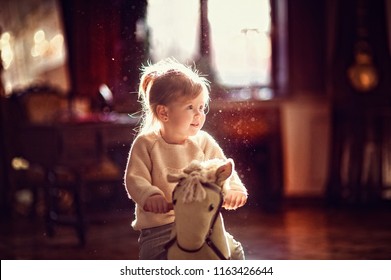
x: 151, y: 159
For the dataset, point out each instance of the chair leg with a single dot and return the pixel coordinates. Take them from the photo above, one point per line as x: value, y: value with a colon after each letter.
x: 80, y: 221
x: 49, y: 203
x: 52, y: 215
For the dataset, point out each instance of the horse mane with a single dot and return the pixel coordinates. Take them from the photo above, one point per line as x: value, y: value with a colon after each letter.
x: 190, y: 181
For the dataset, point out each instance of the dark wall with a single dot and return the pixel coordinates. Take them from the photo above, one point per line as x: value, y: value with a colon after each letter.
x: 307, y: 46
x: 374, y: 30
x: 360, y: 113
x: 4, y: 180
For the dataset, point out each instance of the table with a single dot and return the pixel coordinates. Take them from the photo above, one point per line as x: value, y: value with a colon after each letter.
x: 75, y: 143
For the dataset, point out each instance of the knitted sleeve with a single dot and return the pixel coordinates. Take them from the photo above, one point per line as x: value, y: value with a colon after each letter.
x: 138, y: 172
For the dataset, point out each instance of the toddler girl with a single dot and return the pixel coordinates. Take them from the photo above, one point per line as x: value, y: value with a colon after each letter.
x: 174, y: 99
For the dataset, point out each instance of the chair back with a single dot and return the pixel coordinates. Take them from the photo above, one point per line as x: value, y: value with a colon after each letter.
x: 33, y: 113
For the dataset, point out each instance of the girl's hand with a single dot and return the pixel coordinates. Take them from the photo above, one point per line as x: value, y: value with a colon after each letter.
x: 157, y: 204
x: 234, y: 199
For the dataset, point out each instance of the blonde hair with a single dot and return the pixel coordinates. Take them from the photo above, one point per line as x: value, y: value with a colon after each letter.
x: 164, y: 82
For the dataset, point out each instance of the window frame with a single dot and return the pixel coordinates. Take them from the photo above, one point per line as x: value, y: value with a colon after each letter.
x: 279, y: 78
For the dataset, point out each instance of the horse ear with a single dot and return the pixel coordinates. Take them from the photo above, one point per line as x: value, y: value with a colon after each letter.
x: 224, y: 171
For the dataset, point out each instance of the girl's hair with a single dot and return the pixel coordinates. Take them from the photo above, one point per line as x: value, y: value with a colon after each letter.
x: 165, y: 82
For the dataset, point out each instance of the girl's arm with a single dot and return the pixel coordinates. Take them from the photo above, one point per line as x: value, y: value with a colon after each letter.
x: 138, y: 179
x: 234, y: 199
x: 157, y: 204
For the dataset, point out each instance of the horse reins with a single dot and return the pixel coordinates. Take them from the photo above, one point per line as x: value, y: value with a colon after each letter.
x: 208, y: 240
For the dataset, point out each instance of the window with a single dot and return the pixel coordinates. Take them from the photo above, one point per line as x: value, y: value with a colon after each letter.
x: 173, y: 29
x: 239, y: 40
x: 33, y: 49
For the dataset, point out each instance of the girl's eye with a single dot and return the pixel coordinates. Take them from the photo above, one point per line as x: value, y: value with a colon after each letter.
x: 202, y: 108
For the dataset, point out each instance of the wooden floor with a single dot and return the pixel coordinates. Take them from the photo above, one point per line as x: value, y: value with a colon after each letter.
x: 299, y: 232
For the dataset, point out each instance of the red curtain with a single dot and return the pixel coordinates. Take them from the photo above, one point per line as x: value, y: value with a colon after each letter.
x: 101, y: 45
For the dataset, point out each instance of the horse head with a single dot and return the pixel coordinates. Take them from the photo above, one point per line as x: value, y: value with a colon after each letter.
x: 197, y: 200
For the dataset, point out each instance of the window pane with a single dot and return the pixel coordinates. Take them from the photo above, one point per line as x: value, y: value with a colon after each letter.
x: 173, y: 28
x: 240, y: 41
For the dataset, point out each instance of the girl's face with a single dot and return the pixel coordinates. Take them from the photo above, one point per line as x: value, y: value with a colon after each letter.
x: 185, y: 117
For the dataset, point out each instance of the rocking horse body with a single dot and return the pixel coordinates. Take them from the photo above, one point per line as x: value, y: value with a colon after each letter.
x: 199, y: 231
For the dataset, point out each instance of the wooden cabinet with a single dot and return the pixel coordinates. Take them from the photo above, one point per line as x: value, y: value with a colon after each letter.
x: 250, y: 133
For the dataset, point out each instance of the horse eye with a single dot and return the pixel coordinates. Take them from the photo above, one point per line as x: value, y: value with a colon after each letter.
x: 211, y: 207
x: 174, y: 201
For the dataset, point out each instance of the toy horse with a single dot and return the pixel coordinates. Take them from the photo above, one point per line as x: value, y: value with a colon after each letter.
x: 199, y: 231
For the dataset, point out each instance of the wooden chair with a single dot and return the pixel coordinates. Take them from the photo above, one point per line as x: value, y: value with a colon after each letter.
x: 70, y: 154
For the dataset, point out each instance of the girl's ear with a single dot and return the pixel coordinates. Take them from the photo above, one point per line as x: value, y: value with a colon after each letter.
x: 162, y: 113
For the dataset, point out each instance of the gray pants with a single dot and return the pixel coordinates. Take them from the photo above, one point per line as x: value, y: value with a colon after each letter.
x: 153, y: 240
